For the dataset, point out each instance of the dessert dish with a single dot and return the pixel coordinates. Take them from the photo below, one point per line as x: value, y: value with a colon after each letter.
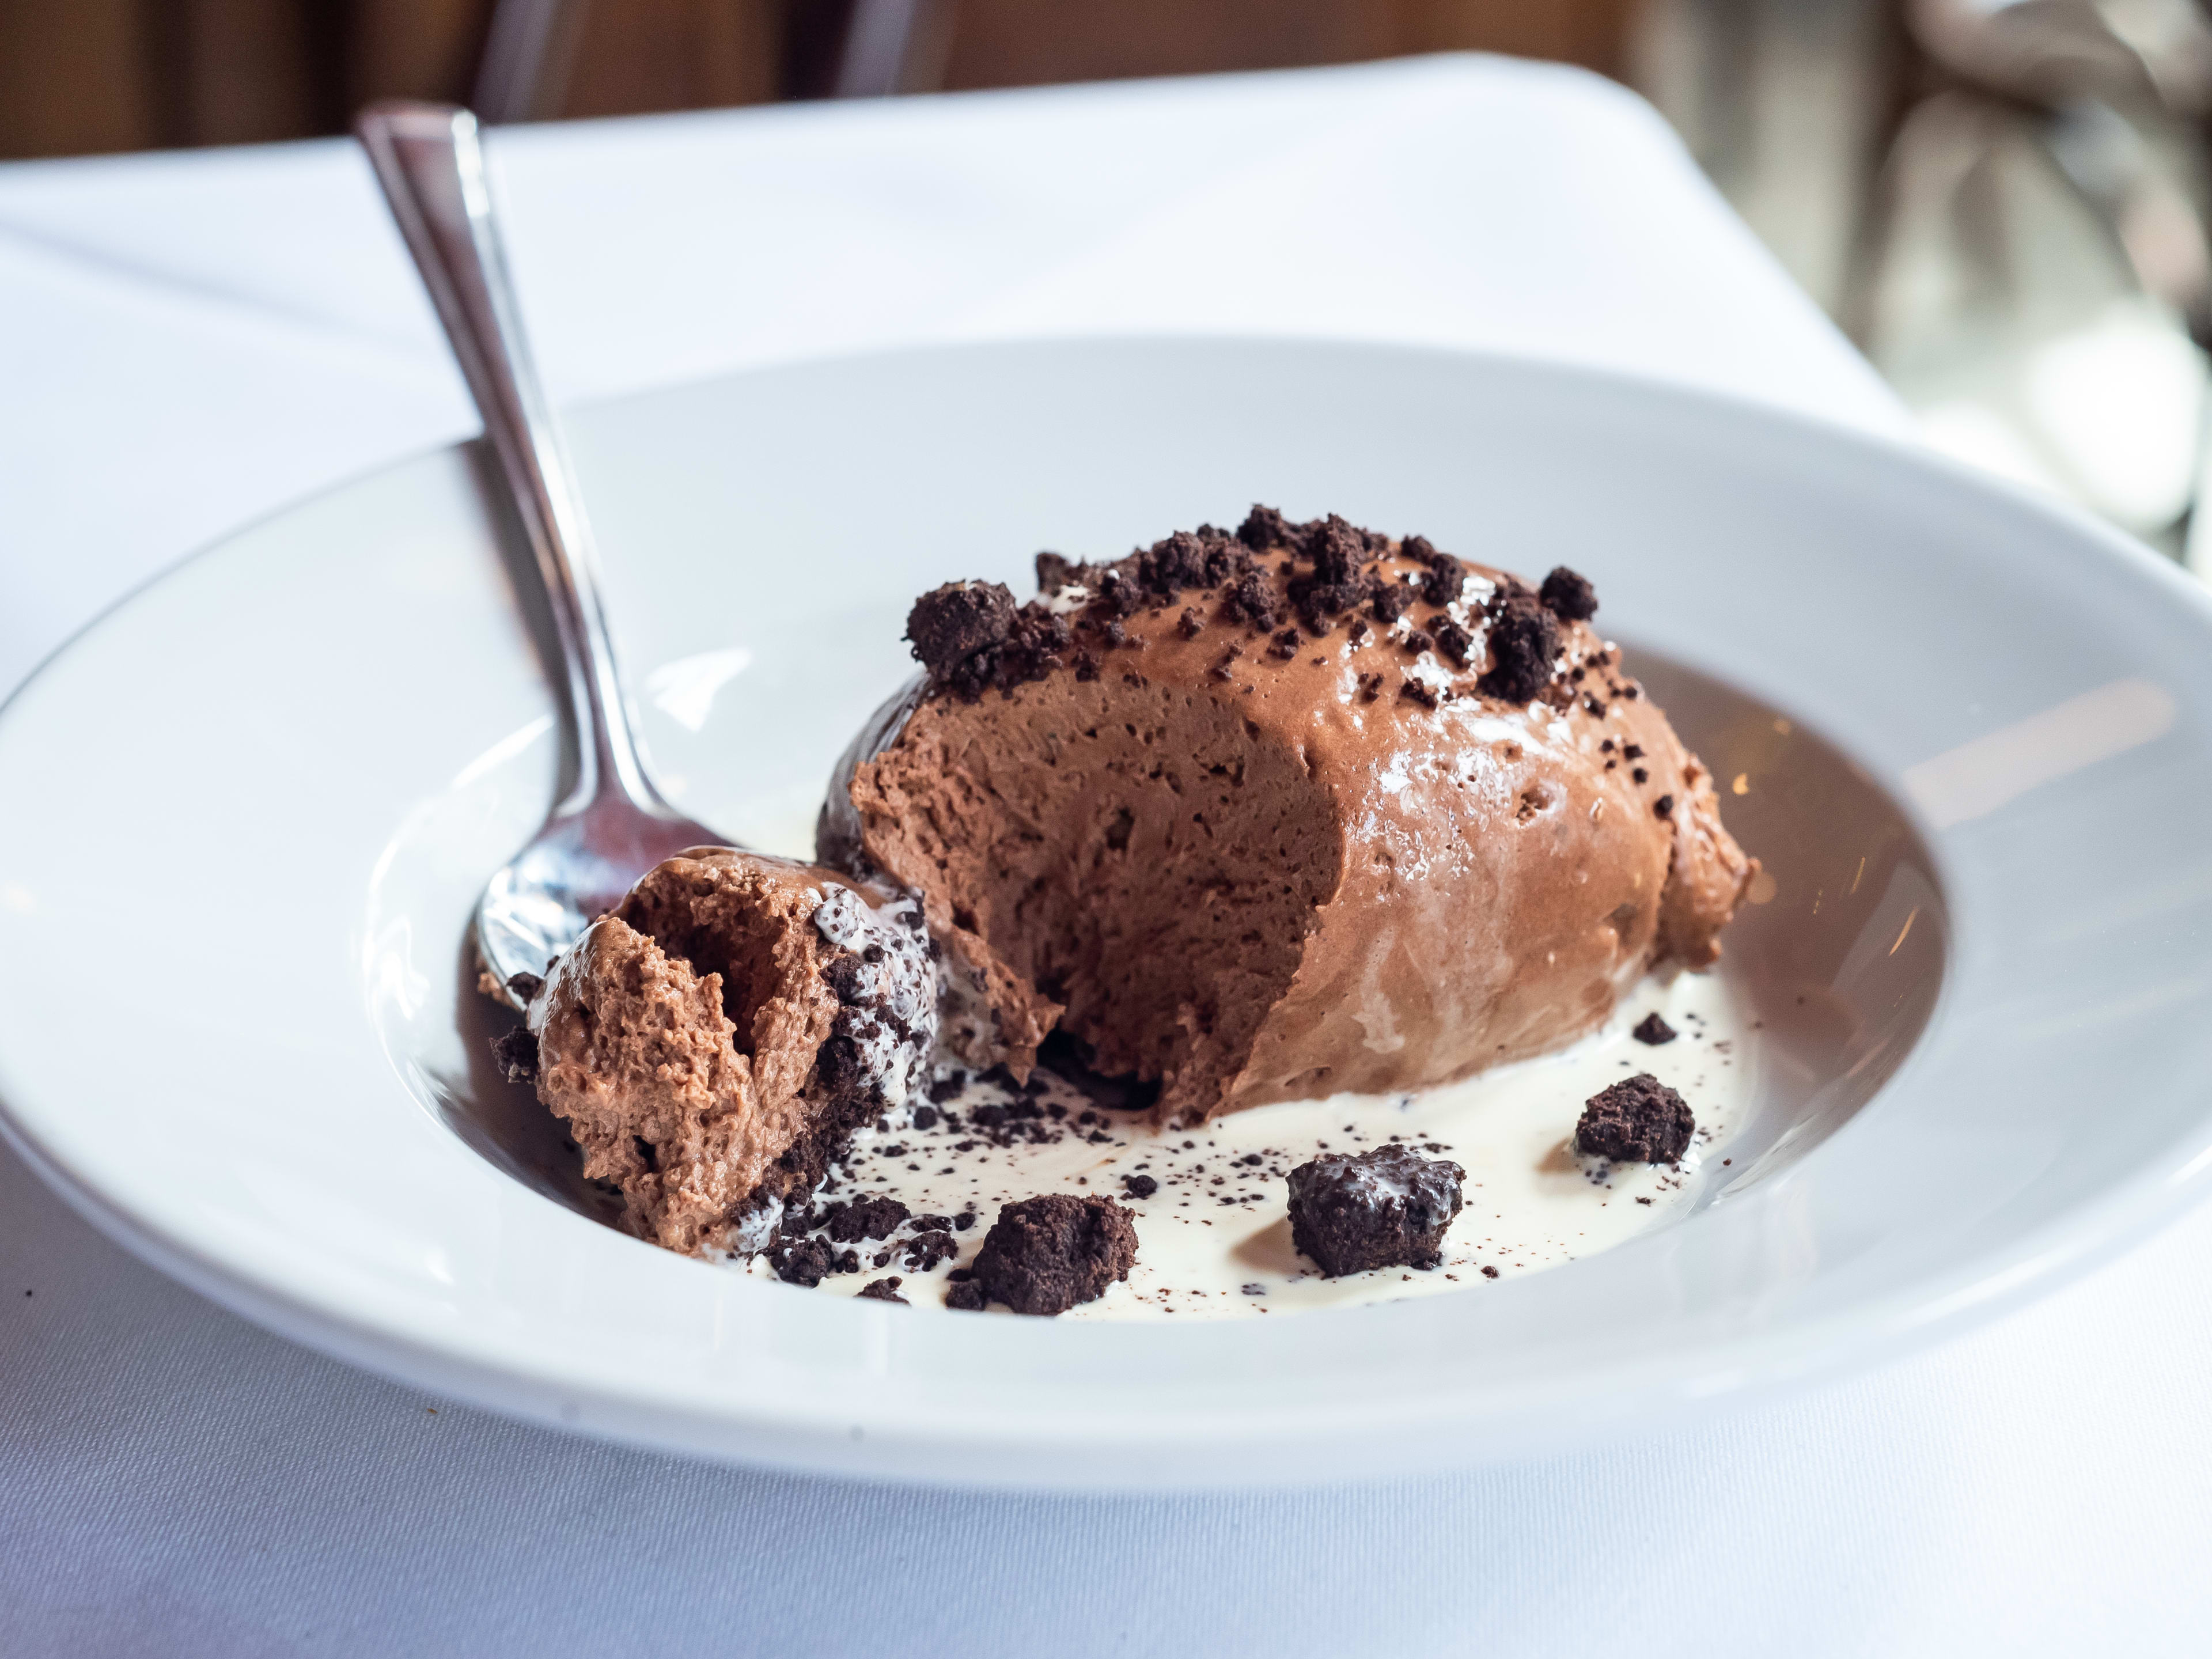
x: 1236, y: 925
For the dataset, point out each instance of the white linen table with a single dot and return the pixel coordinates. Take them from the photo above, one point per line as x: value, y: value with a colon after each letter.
x: 191, y: 341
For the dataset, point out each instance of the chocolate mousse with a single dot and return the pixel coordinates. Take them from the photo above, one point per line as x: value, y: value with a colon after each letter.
x: 1385, y: 1208
x: 1282, y: 813
x: 715, y: 1040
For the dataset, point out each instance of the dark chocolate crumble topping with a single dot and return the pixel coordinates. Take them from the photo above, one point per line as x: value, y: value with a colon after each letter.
x: 924, y: 1251
x: 1569, y: 594
x: 1044, y: 1254
x: 806, y: 1262
x: 871, y: 1217
x: 1639, y: 1120
x: 516, y: 1054
x: 1524, y: 638
x: 949, y: 624
x: 1274, y: 575
x: 1384, y: 1208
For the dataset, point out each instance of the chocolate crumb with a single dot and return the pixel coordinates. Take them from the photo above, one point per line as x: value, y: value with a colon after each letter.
x: 1056, y: 571
x: 1567, y: 594
x: 1045, y: 1254
x: 524, y: 987
x: 1654, y: 1031
x: 1640, y: 775
x: 804, y: 1262
x: 1189, y: 624
x: 1446, y: 580
x: 1455, y: 641
x: 1639, y: 1120
x: 1140, y: 1186
x: 1265, y: 527
x: 1391, y: 602
x: 951, y: 623
x: 1384, y: 1208
x: 885, y: 1290
x: 1524, y: 638
x: 1490, y: 1273
x: 1251, y: 597
x: 1370, y: 687
x: 1419, y: 692
x: 966, y: 1297
x: 1419, y: 641
x: 871, y: 1217
x: 926, y: 1250
x: 516, y: 1053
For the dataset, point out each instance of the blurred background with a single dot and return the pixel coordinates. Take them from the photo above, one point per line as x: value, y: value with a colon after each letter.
x: 2004, y: 201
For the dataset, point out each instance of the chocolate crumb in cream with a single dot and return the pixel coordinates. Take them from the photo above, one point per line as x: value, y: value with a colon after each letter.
x: 1637, y: 1120
x: 1384, y: 1208
x: 1045, y: 1254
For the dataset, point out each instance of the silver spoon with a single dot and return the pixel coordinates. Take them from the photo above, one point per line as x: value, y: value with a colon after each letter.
x: 613, y: 826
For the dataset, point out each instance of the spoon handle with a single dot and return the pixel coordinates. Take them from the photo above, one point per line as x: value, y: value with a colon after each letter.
x: 428, y: 160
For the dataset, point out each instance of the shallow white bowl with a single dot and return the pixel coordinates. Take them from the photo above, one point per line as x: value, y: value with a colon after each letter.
x: 245, y: 814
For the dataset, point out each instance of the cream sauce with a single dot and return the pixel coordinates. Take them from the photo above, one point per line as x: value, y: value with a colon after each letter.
x: 1214, y: 1238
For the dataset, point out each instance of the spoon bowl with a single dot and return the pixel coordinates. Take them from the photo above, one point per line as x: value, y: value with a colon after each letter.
x: 575, y: 869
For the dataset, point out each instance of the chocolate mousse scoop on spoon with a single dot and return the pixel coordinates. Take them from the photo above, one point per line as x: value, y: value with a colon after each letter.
x: 1282, y: 813
x: 711, y: 1022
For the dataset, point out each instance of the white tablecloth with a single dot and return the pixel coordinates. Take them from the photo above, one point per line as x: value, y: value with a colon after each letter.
x: 188, y: 342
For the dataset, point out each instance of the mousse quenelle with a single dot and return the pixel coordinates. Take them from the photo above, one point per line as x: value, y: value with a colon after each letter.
x: 1292, y: 812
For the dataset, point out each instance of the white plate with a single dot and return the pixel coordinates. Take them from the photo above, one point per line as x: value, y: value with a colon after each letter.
x: 244, y: 816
